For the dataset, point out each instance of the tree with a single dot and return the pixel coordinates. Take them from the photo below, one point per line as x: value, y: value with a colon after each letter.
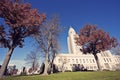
x: 23, y: 72
x: 32, y: 59
x: 54, y: 48
x: 21, y: 21
x: 47, y: 39
x: 94, y: 40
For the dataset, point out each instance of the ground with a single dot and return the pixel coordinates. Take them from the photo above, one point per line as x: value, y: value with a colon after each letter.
x: 103, y: 75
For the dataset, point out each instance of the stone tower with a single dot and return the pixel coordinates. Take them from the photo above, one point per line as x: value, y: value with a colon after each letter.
x: 73, y: 48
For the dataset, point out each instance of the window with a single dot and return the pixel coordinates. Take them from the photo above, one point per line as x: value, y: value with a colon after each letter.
x: 83, y: 60
x: 104, y: 60
x: 93, y: 61
x: 80, y: 60
x: 110, y: 60
x: 87, y: 60
x: 74, y: 64
x: 115, y: 60
x: 64, y: 59
x: 76, y: 60
x: 73, y: 60
x: 90, y: 60
x: 91, y: 67
x: 107, y: 59
x: 78, y: 65
x: 87, y: 67
x: 68, y: 60
x: 59, y: 60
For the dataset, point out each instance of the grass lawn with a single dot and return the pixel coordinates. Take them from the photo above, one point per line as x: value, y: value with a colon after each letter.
x: 108, y: 75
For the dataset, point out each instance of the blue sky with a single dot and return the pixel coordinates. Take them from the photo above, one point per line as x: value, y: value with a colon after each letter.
x: 76, y: 13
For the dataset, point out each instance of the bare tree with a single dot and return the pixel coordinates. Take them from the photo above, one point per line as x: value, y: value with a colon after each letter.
x: 94, y: 40
x: 53, y: 52
x: 32, y: 59
x: 47, y: 39
x: 21, y: 21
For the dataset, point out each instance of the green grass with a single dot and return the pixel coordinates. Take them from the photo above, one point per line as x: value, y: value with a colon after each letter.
x: 108, y: 75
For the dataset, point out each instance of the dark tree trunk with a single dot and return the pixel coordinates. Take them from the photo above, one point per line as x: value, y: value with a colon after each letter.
x: 96, y: 58
x: 95, y: 54
x: 52, y: 63
x: 6, y: 61
x: 33, y: 67
x: 46, y: 64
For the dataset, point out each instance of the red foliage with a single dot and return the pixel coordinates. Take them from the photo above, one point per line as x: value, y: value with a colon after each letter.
x: 21, y: 19
x: 95, y: 40
x: 18, y: 15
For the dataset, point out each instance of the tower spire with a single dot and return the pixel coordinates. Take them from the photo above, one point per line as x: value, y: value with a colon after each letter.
x: 71, y: 31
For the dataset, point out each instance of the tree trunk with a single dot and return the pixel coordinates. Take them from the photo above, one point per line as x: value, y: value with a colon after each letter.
x: 46, y: 64
x: 96, y: 58
x: 6, y: 61
x: 33, y: 67
x: 52, y: 63
x: 95, y: 54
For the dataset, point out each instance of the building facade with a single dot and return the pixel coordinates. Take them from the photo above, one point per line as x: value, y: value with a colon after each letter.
x: 75, y: 59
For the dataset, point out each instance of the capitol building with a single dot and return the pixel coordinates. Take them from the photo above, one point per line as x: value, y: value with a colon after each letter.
x: 76, y: 60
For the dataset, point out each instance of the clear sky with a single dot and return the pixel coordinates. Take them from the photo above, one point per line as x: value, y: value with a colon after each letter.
x: 76, y: 13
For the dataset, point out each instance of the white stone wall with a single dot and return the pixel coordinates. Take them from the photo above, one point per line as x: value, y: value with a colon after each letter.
x: 117, y: 61
x: 67, y: 61
x: 106, y: 60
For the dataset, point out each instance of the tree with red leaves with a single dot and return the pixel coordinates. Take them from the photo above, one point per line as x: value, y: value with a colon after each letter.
x: 21, y: 21
x: 94, y: 40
